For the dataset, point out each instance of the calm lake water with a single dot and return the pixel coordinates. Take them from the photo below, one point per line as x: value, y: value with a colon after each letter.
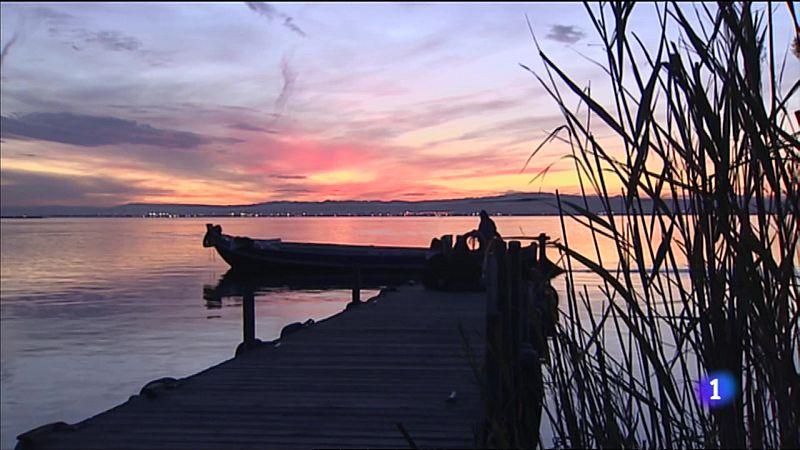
x: 93, y: 309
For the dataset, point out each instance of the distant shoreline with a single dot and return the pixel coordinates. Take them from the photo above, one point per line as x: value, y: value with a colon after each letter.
x: 262, y: 216
x: 516, y: 205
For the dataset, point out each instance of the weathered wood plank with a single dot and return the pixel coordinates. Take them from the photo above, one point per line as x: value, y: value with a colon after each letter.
x: 346, y: 381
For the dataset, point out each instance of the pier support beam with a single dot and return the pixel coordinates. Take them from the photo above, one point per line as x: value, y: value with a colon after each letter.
x: 248, y: 319
x: 356, y: 285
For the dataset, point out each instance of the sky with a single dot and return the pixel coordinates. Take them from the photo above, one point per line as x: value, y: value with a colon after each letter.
x: 234, y: 103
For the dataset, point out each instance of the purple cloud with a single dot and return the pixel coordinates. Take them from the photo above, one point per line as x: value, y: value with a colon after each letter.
x: 567, y: 34
x: 93, y: 131
x: 32, y: 188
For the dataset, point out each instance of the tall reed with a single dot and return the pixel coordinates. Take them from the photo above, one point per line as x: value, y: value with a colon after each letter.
x: 705, y: 230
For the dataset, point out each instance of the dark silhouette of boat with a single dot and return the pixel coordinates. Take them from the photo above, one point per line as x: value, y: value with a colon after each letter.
x: 274, y: 255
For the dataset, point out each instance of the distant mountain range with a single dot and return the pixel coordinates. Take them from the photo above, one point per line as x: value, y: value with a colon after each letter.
x: 518, y: 204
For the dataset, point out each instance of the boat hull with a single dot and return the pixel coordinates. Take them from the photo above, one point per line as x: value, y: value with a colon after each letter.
x: 274, y: 256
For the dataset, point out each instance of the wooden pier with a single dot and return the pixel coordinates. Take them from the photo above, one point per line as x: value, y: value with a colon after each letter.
x: 394, y: 371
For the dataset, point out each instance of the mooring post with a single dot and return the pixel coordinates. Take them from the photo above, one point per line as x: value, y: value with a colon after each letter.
x: 524, y: 297
x: 357, y: 285
x: 543, y: 238
x: 515, y: 324
x: 515, y: 272
x: 535, y: 347
x: 494, y: 340
x: 503, y: 300
x: 505, y: 400
x: 249, y: 318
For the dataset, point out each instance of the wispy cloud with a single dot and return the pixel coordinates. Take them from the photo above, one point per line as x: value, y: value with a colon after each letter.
x: 271, y: 13
x: 290, y: 190
x: 525, y: 128
x: 248, y: 127
x: 65, y: 28
x: 7, y: 48
x: 568, y: 34
x: 288, y: 177
x: 111, y: 40
x: 428, y: 114
x: 50, y: 15
x: 289, y: 78
x: 93, y: 131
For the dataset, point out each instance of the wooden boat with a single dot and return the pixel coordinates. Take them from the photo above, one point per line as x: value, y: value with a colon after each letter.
x: 274, y: 255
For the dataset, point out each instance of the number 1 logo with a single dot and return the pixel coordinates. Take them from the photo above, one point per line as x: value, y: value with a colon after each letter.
x: 715, y: 386
x: 717, y: 389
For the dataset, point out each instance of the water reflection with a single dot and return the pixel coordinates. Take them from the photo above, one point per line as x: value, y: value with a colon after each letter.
x: 235, y: 285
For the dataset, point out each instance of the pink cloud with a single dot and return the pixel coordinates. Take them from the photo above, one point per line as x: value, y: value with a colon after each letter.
x: 303, y: 155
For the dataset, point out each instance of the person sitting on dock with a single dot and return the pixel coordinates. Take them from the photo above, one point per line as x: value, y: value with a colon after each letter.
x: 487, y: 230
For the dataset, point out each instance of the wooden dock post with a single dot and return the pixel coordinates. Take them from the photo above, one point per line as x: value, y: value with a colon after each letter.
x: 356, y: 298
x: 447, y: 243
x: 498, y: 345
x: 248, y: 318
x: 492, y: 365
x: 515, y: 294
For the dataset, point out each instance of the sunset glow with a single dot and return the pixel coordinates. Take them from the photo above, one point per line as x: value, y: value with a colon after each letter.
x: 104, y: 104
